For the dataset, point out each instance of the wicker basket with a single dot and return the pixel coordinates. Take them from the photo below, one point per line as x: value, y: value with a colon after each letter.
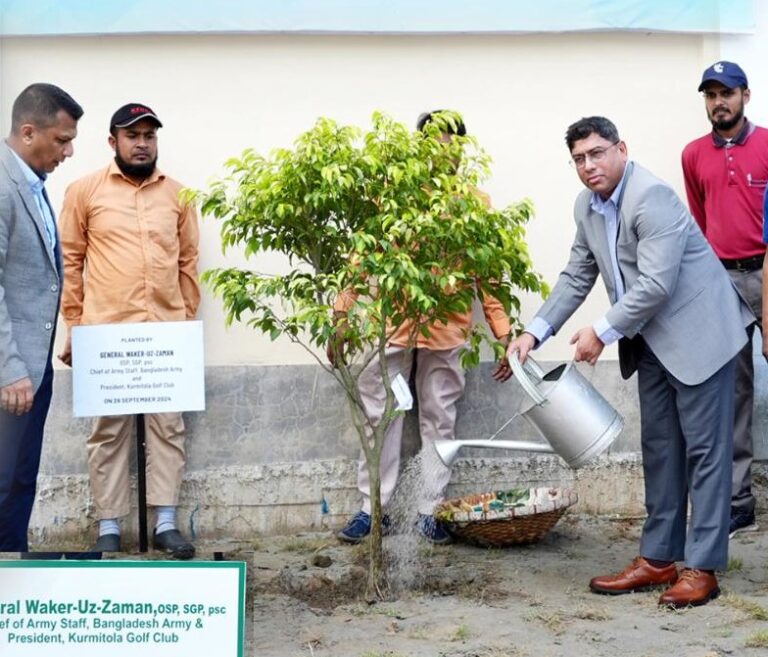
x: 516, y: 525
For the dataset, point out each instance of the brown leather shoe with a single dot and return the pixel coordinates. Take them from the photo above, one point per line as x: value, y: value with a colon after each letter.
x: 638, y: 576
x: 693, y: 588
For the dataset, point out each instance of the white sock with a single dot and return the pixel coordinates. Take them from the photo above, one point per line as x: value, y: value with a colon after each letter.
x: 166, y: 519
x: 109, y: 526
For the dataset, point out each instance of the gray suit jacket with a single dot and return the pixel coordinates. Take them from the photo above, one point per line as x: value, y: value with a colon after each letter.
x: 677, y: 295
x: 30, y: 287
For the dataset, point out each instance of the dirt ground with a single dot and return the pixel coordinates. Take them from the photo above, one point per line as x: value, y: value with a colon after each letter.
x: 304, y: 600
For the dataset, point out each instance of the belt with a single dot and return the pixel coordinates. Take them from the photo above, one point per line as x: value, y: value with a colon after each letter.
x: 744, y: 264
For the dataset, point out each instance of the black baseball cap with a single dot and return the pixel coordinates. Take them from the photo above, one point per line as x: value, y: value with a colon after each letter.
x: 130, y: 114
x: 726, y: 73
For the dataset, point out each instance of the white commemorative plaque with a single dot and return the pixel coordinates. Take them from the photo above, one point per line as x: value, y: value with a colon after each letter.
x: 147, y: 367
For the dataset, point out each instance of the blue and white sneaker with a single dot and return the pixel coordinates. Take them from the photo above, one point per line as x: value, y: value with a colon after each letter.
x: 359, y: 526
x: 433, y: 530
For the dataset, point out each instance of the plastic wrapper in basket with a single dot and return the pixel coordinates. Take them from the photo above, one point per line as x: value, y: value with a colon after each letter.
x: 514, y: 517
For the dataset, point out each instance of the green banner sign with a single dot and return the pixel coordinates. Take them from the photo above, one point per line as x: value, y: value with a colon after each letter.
x: 95, y: 608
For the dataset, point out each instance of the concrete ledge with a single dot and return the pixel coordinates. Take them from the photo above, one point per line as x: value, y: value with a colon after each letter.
x: 276, y: 453
x: 243, y: 502
x: 298, y: 413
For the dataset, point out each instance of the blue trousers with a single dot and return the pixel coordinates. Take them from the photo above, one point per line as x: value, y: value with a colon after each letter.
x: 687, y: 442
x: 21, y: 441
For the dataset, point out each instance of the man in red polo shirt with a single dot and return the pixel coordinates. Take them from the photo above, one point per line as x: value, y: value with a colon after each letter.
x: 725, y: 179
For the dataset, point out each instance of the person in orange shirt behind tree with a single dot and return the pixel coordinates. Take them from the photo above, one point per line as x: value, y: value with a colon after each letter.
x: 439, y: 381
x: 125, y: 229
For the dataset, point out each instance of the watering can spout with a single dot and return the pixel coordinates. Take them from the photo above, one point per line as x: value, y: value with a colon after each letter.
x: 448, y: 450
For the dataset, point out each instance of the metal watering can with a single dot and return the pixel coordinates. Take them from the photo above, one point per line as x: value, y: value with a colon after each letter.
x: 574, y: 418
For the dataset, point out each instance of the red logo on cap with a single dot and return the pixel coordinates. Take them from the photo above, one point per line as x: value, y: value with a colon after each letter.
x: 139, y: 110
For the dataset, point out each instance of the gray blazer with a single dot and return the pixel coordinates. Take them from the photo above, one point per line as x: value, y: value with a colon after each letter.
x: 30, y: 286
x: 677, y: 295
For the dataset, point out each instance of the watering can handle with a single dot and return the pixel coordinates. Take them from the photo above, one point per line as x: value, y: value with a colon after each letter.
x: 522, y: 377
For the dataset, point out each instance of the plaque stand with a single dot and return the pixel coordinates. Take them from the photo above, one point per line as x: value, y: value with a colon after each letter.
x: 141, y: 460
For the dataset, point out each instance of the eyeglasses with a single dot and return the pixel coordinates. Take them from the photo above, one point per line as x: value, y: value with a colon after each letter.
x: 595, y: 155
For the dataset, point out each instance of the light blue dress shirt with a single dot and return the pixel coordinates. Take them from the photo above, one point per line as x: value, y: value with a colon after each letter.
x: 37, y: 186
x: 609, y: 208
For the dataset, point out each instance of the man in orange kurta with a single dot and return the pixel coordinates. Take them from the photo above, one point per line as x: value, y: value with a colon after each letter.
x: 439, y: 382
x: 130, y: 250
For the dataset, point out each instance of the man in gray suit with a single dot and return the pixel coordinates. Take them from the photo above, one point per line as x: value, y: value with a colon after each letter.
x: 43, y: 126
x: 680, y: 324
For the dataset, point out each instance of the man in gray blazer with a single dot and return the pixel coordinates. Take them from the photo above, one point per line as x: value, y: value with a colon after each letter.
x: 43, y: 126
x: 680, y: 324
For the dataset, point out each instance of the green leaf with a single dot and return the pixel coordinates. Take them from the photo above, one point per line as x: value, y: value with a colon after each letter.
x: 385, y: 214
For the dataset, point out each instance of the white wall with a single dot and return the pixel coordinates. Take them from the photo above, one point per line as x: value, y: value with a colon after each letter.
x: 218, y: 94
x: 751, y: 53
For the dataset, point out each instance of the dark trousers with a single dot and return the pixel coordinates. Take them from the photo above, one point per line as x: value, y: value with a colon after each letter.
x: 687, y: 442
x: 21, y: 441
x: 750, y: 286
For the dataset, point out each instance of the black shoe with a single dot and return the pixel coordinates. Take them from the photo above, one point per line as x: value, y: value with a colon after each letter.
x: 108, y: 543
x: 173, y: 543
x: 742, y: 521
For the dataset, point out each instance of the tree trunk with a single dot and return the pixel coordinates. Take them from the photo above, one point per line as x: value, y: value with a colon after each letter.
x: 372, y: 444
x: 375, y: 586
